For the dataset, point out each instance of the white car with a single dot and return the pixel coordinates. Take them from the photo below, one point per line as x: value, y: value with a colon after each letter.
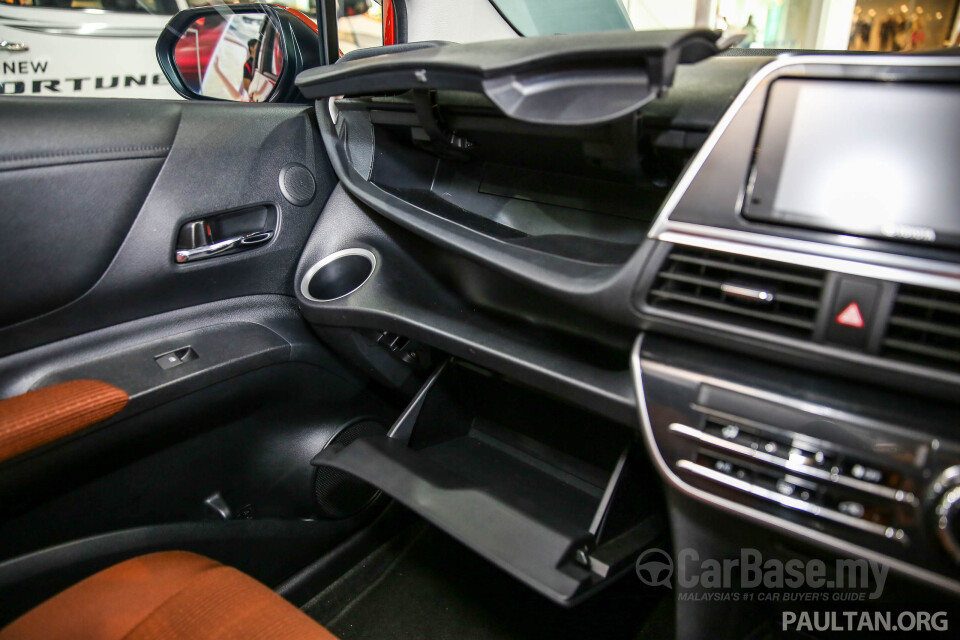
x: 98, y: 48
x: 105, y: 48
x: 359, y: 25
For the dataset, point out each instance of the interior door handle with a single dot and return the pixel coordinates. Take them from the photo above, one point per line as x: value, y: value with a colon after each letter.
x: 249, y: 240
x: 13, y: 46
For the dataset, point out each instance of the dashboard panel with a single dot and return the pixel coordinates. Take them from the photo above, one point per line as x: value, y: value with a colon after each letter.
x: 768, y: 249
x: 800, y: 454
x: 800, y: 374
x: 906, y: 287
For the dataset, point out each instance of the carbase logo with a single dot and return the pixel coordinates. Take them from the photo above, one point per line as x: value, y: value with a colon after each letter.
x: 656, y: 567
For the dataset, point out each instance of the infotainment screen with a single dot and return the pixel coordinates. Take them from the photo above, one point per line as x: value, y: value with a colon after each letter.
x: 877, y: 159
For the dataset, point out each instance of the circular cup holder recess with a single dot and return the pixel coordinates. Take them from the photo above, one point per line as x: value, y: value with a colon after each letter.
x: 338, y: 275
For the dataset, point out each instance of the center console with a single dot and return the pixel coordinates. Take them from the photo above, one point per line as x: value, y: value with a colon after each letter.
x: 805, y: 266
x: 851, y: 467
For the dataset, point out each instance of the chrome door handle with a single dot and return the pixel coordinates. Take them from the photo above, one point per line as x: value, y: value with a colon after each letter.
x: 217, y: 248
x: 13, y: 46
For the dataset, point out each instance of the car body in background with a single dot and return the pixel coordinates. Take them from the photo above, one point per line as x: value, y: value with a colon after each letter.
x: 359, y: 24
x: 105, y: 48
x: 108, y: 51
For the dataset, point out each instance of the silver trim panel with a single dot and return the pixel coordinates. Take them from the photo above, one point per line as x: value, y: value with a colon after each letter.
x: 825, y: 412
x: 305, y: 283
x: 792, y: 503
x: 747, y: 292
x: 756, y: 515
x: 858, y: 262
x: 889, y: 493
x: 217, y: 248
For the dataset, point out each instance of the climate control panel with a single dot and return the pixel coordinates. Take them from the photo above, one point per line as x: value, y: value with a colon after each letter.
x: 853, y: 467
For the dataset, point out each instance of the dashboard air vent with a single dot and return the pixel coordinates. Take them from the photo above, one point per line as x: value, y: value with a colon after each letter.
x: 924, y: 327
x: 762, y: 294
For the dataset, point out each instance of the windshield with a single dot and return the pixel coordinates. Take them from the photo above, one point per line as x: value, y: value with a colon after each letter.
x: 837, y: 25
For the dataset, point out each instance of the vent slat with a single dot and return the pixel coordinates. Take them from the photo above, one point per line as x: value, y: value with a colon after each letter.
x: 924, y: 328
x: 769, y: 317
x: 697, y: 280
x: 922, y: 349
x: 811, y: 303
x: 929, y: 303
x: 771, y: 273
x: 924, y: 325
x: 691, y: 281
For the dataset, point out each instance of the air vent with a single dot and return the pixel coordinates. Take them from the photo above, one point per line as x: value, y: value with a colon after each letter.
x: 924, y: 327
x: 762, y: 294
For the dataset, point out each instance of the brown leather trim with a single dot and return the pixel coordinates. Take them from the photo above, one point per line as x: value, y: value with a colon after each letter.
x: 111, y: 603
x: 41, y: 416
x: 171, y: 595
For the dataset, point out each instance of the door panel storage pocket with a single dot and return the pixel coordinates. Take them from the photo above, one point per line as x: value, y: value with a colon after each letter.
x: 550, y: 493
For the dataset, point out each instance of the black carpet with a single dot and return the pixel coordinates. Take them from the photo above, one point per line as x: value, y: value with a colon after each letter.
x: 426, y: 585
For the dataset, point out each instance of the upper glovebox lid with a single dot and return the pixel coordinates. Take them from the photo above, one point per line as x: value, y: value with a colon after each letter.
x: 573, y: 79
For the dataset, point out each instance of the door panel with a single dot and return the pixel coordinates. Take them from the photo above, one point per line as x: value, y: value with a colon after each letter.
x: 212, y: 453
x: 71, y: 182
x: 102, y: 237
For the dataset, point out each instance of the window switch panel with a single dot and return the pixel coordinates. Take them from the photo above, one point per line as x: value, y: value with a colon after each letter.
x: 175, y: 358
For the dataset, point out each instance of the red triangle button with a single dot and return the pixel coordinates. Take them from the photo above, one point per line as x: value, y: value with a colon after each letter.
x: 851, y: 316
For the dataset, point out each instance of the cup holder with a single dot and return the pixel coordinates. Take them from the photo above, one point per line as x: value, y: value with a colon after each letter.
x: 338, y: 275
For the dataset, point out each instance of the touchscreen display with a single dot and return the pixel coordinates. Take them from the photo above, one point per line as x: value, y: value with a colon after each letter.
x: 865, y: 158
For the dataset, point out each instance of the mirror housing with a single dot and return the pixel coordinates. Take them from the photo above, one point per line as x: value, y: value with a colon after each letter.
x: 291, y: 36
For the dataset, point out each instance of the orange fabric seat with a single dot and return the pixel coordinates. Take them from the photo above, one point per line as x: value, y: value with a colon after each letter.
x: 162, y: 596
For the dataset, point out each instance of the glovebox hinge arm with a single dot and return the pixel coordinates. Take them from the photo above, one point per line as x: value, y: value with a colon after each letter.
x: 442, y: 138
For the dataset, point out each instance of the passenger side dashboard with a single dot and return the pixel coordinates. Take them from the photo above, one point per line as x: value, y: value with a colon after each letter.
x: 539, y: 252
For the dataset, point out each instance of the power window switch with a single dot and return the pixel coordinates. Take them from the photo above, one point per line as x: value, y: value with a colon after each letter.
x: 168, y: 361
x: 175, y: 358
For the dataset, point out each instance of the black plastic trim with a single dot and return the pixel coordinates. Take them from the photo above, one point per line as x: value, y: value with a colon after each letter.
x: 256, y: 331
x: 626, y: 69
x: 402, y: 296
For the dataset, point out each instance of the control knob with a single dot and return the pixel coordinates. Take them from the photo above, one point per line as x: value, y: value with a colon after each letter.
x: 945, y: 494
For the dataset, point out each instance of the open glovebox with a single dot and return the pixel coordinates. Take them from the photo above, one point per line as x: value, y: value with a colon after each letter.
x: 556, y: 496
x: 527, y: 154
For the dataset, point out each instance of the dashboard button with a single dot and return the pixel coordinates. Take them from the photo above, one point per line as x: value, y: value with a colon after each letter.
x: 728, y: 468
x: 851, y: 508
x: 730, y: 432
x: 852, y: 312
x: 168, y: 360
x: 867, y: 474
x: 809, y: 458
x: 723, y: 466
x: 785, y: 488
x: 774, y: 448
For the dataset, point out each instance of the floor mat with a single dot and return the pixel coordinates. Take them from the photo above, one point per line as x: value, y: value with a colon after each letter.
x: 426, y: 585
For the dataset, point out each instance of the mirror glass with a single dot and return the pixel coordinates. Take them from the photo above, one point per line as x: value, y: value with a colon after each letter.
x: 231, y: 56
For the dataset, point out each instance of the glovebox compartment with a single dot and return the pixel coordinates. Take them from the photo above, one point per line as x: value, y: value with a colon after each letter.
x: 547, y: 491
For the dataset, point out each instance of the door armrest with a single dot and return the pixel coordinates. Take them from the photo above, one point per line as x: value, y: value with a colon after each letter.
x: 39, y: 417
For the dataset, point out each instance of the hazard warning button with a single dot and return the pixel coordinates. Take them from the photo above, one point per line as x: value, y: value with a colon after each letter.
x: 852, y: 312
x: 851, y: 316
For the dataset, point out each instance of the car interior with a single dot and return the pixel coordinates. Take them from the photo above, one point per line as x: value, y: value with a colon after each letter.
x: 445, y: 340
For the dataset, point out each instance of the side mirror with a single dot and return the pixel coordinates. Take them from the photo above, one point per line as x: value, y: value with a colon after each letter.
x: 238, y: 52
